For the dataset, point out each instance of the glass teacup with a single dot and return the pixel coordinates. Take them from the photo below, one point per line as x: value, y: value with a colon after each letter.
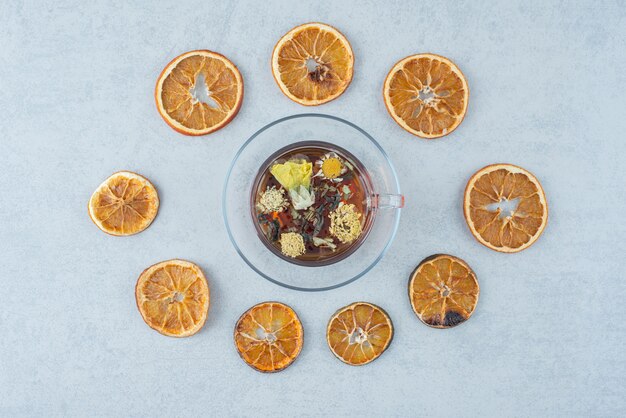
x: 351, y: 186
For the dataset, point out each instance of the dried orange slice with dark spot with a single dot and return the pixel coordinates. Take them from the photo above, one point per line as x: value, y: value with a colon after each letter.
x: 199, y: 92
x: 359, y: 333
x: 269, y: 336
x: 124, y: 204
x: 313, y: 64
x: 443, y: 291
x: 173, y: 298
x: 505, y: 207
x: 427, y: 95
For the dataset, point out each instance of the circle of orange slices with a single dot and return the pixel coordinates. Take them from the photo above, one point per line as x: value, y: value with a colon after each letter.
x: 313, y: 64
x: 199, y: 92
x: 124, y: 204
x: 269, y: 336
x: 427, y: 95
x: 359, y: 333
x: 505, y: 230
x: 443, y: 291
x: 173, y: 298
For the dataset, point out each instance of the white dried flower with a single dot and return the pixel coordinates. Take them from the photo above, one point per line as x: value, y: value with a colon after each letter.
x: 301, y: 198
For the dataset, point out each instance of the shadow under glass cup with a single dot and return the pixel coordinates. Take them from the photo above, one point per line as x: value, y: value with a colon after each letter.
x: 384, y: 201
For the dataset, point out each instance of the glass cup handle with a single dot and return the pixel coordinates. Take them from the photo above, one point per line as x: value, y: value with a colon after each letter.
x: 388, y: 201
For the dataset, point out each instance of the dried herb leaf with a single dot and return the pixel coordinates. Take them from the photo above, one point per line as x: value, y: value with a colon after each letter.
x: 319, y: 223
x: 273, y: 231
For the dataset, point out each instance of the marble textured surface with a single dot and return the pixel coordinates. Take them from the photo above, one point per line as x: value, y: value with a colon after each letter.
x: 547, y: 86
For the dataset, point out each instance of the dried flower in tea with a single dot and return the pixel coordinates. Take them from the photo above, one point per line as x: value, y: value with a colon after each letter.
x: 302, y: 198
x: 272, y: 200
x: 345, y: 223
x: 292, y: 244
x: 331, y: 167
x: 293, y: 174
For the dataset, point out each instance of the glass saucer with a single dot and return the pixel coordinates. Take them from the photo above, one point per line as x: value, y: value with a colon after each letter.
x: 239, y: 182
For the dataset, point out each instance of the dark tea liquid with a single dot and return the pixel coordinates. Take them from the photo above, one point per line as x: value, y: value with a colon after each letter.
x: 354, y: 188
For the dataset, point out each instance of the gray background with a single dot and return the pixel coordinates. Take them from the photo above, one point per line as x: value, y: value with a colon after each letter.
x: 547, y: 93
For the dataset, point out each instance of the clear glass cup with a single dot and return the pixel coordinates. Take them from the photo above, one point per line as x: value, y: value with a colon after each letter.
x: 386, y: 201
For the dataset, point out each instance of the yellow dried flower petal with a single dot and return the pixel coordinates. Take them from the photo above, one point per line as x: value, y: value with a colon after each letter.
x: 293, y: 174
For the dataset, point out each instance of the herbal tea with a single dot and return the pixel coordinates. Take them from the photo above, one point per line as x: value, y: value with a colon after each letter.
x: 310, y: 203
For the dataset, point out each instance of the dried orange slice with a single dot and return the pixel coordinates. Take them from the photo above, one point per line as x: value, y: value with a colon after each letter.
x: 269, y: 336
x: 505, y: 207
x: 199, y: 92
x: 426, y: 94
x: 443, y: 291
x: 313, y: 64
x: 359, y: 333
x: 173, y: 298
x: 124, y: 204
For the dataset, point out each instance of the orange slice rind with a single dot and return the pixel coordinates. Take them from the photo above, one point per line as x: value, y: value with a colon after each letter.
x: 443, y: 291
x: 269, y: 336
x: 359, y: 333
x: 313, y: 64
x: 124, y: 204
x: 173, y: 298
x: 505, y: 230
x: 199, y: 92
x: 427, y: 95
